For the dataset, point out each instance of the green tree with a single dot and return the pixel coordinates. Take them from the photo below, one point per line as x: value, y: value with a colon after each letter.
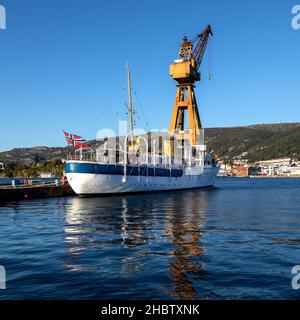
x: 9, y: 169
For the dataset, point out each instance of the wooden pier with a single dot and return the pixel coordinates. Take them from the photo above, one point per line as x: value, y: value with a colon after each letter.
x: 27, y: 192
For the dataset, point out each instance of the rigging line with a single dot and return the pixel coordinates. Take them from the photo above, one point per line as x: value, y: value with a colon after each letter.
x: 210, y: 52
x: 143, y: 119
x: 143, y: 114
x: 140, y: 106
x: 137, y: 113
x: 105, y: 109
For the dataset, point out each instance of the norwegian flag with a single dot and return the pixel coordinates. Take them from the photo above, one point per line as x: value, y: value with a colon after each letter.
x: 75, y: 140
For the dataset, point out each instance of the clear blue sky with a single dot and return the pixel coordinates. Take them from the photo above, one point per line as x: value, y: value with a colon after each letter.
x: 62, y: 61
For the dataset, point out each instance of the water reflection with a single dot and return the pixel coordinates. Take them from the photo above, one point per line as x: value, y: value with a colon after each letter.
x: 134, y: 224
x: 126, y: 234
x: 185, y: 230
x: 102, y: 224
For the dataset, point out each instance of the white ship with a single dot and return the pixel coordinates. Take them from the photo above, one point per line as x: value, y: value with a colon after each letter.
x: 134, y: 164
x: 94, y: 177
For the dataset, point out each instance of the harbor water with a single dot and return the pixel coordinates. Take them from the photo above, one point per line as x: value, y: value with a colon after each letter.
x: 237, y: 240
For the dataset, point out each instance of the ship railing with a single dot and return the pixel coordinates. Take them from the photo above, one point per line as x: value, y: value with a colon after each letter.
x: 113, y: 156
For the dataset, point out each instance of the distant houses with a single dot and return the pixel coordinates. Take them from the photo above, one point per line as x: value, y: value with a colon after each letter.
x: 283, y: 167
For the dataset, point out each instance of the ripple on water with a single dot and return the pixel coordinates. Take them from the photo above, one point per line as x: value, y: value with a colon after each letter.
x: 237, y: 240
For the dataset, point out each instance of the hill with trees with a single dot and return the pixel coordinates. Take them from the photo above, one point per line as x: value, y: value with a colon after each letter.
x: 255, y: 142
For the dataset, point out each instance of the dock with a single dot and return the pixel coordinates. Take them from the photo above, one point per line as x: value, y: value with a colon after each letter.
x: 27, y: 192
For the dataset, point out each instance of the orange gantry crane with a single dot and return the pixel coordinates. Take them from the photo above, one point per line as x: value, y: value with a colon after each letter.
x: 185, y: 71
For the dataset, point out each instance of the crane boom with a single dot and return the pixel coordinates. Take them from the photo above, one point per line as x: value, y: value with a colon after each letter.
x: 186, y: 67
x: 199, y: 51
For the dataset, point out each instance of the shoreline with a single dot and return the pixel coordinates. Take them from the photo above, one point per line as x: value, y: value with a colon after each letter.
x: 274, y: 177
x: 262, y: 177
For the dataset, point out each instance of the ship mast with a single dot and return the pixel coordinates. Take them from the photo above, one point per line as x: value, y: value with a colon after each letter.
x: 130, y: 106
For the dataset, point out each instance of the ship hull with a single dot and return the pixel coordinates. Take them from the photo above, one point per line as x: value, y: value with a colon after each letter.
x: 88, y: 179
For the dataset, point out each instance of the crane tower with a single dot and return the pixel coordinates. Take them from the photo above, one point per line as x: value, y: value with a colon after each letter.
x: 185, y: 70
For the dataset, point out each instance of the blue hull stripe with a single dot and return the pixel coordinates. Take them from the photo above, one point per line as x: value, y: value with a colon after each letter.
x: 116, y: 169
